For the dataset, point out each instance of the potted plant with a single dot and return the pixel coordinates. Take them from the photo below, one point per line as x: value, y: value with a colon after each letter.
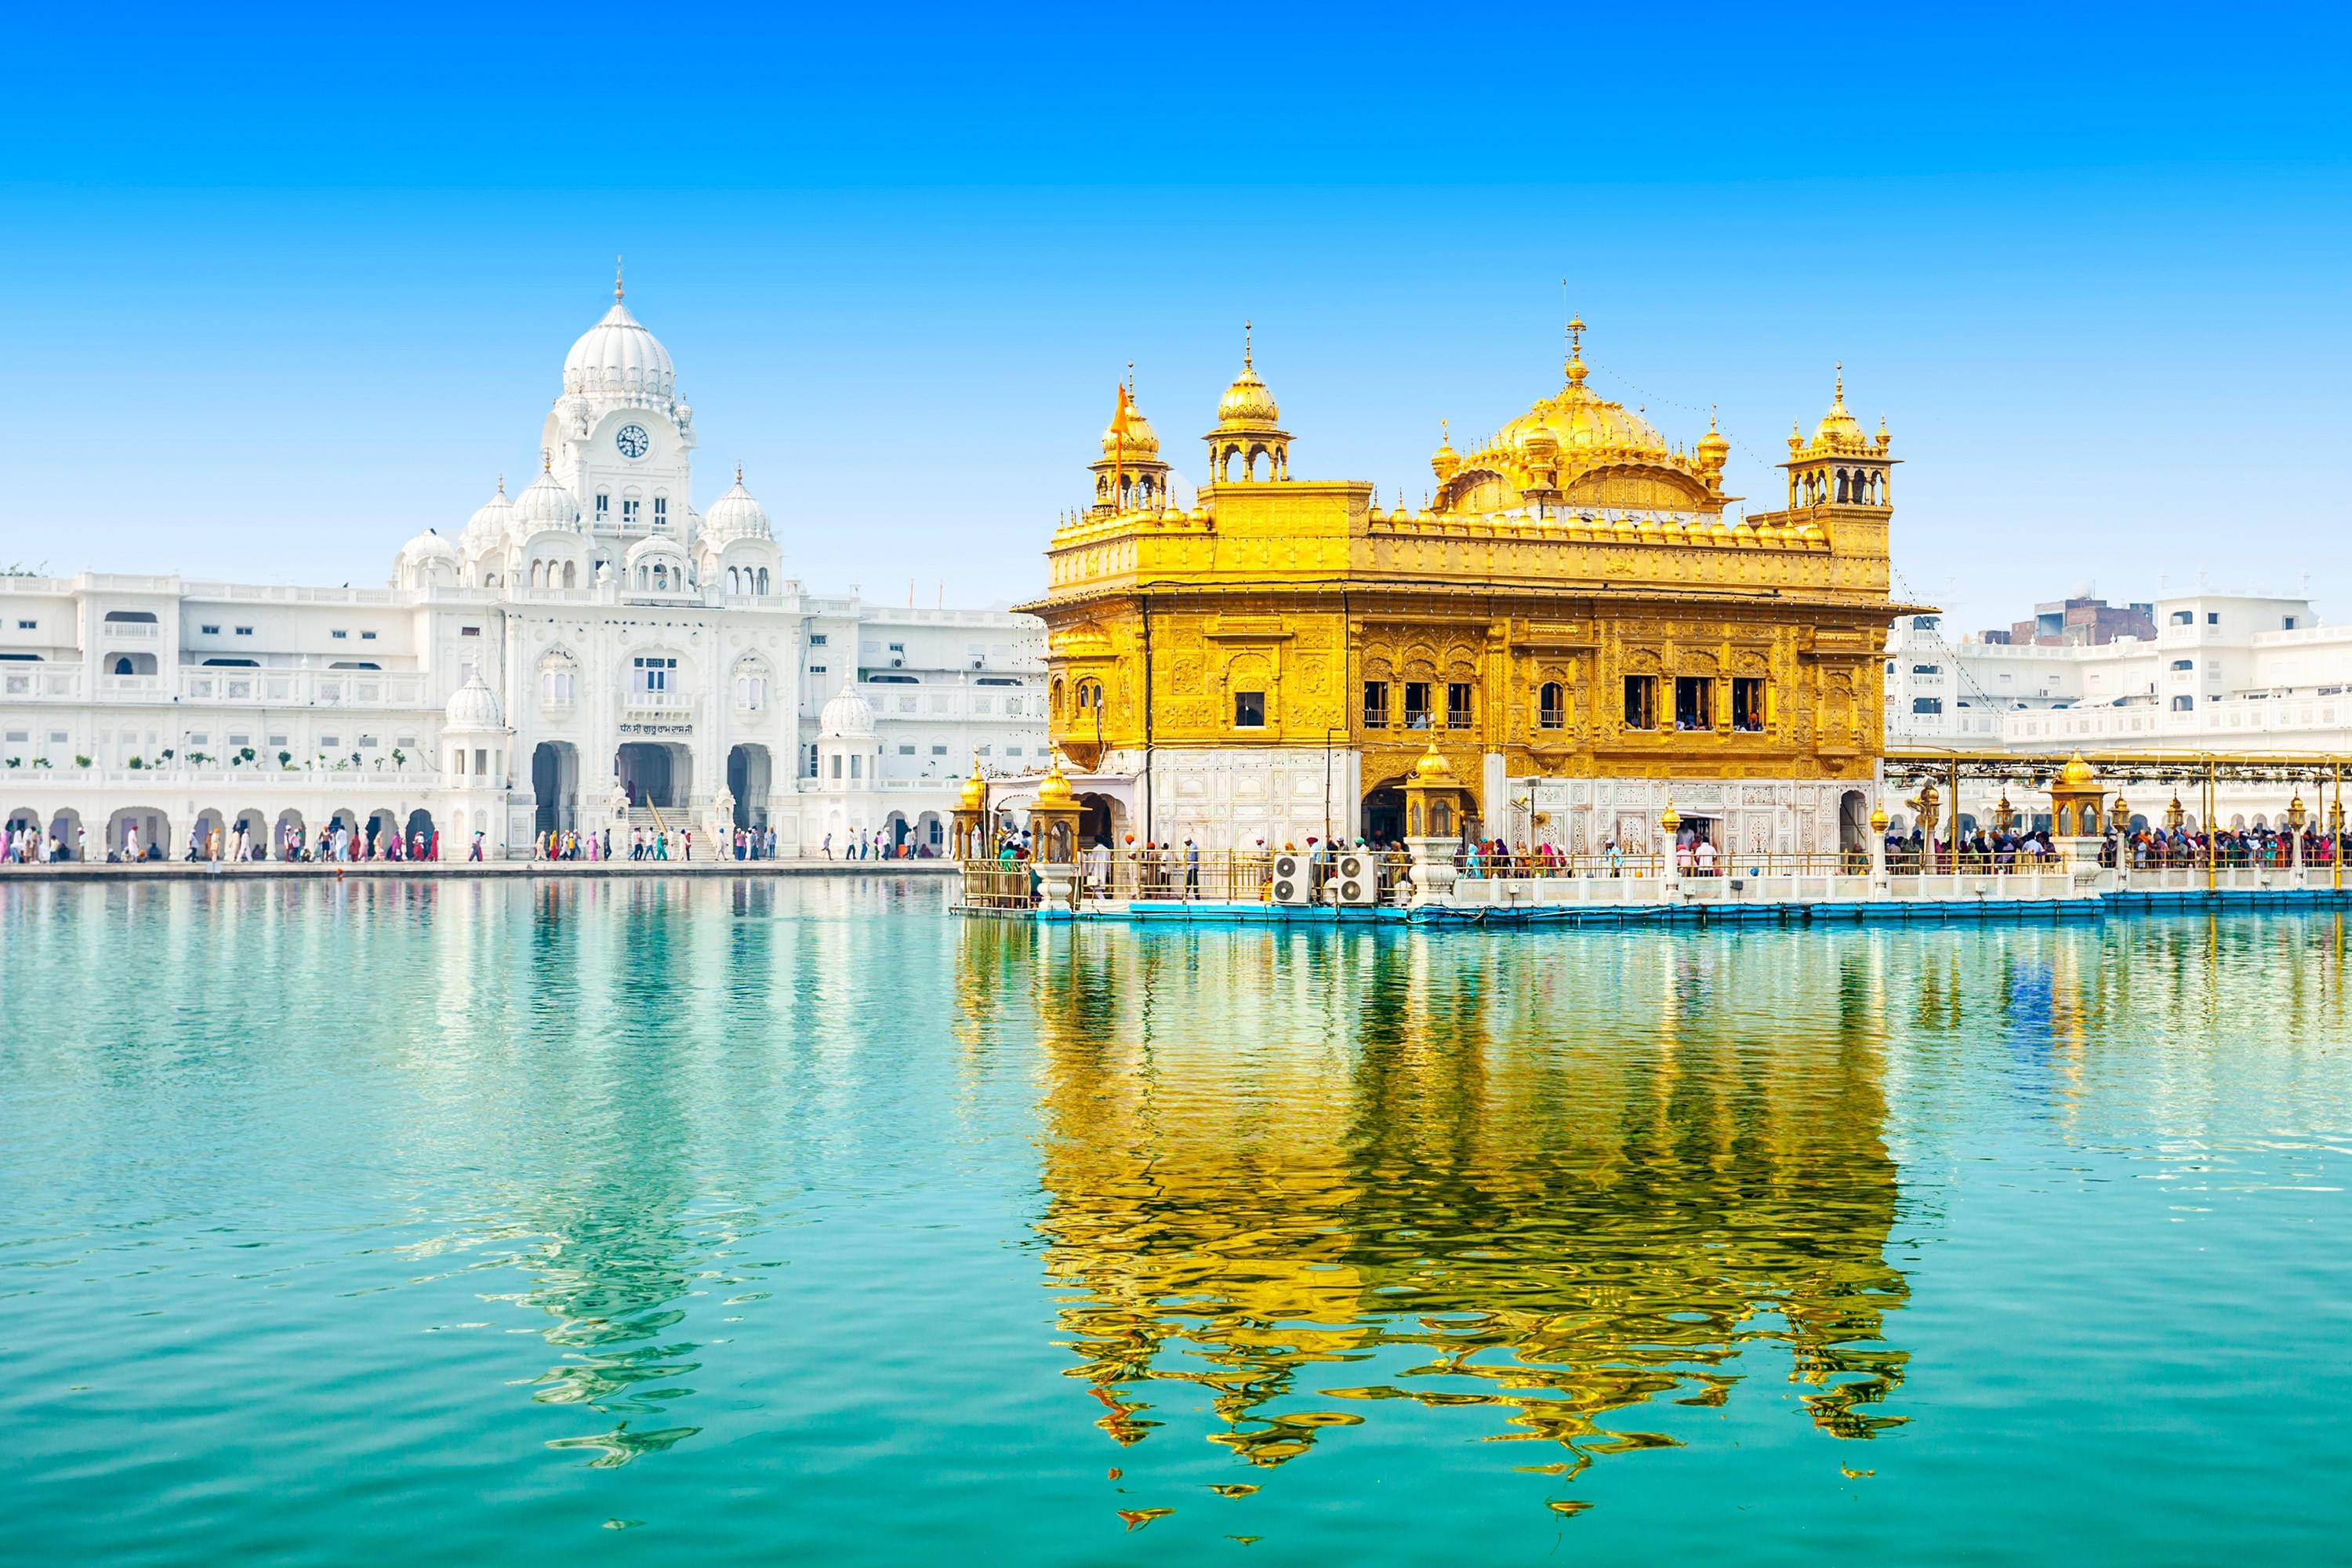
x: 40, y: 761
x: 81, y: 762
x: 15, y: 761
x: 399, y: 758
x: 137, y: 763
x: 286, y: 761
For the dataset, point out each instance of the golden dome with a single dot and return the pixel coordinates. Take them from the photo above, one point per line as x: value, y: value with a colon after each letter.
x: 1432, y: 768
x: 1712, y: 447
x: 1055, y: 792
x: 1142, y: 440
x: 1838, y: 427
x: 1670, y: 818
x: 1446, y: 462
x: 2077, y: 774
x: 975, y: 791
x: 1247, y: 405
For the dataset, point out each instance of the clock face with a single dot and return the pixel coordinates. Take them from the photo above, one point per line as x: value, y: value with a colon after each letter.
x: 633, y: 441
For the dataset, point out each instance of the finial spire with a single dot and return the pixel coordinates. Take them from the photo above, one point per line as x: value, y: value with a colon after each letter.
x: 1445, y: 436
x: 739, y: 473
x: 1576, y: 369
x: 616, y: 280
x: 502, y: 481
x: 1245, y: 345
x: 546, y: 461
x: 1710, y: 416
x: 1840, y: 396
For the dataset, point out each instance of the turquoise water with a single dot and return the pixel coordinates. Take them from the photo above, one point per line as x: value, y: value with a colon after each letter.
x: 798, y: 1222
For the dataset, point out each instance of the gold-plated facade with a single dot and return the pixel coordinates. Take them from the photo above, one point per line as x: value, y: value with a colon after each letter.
x: 1572, y: 602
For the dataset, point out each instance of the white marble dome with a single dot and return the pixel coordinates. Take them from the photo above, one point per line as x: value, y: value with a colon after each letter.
x: 736, y: 515
x: 429, y: 547
x: 547, y: 504
x: 619, y: 355
x: 848, y: 716
x: 490, y: 520
x: 474, y: 706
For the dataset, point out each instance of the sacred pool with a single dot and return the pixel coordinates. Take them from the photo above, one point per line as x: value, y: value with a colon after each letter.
x: 798, y: 1221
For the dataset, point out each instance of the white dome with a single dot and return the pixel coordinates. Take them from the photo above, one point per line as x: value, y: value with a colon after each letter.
x: 474, y: 706
x: 488, y: 523
x: 618, y: 355
x: 547, y: 504
x: 736, y: 515
x: 428, y: 546
x: 849, y: 715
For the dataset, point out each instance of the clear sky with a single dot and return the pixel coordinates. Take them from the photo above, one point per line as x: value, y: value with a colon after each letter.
x: 289, y: 288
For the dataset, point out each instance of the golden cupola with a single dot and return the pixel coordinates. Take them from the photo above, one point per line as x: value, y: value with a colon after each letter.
x: 1249, y: 429
x: 1129, y: 474
x: 1839, y: 465
x: 1446, y: 462
x: 1577, y: 451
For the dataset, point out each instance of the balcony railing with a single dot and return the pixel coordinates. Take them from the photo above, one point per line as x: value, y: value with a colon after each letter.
x: 130, y: 631
x: 35, y: 683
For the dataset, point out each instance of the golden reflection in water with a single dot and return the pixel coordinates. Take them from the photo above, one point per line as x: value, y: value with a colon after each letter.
x: 1312, y: 1175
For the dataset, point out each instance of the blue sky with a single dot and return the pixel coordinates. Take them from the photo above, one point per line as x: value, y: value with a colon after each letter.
x: 291, y: 287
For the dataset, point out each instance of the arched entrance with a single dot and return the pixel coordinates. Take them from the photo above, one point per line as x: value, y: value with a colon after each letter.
x: 1854, y: 822
x: 152, y: 828
x: 289, y: 826
x: 555, y: 784
x: 211, y: 836
x: 65, y: 827
x: 931, y: 834
x: 750, y: 771
x: 1101, y: 820
x: 654, y: 773
x: 256, y: 828
x: 896, y: 832
x: 420, y: 824
x: 1384, y: 815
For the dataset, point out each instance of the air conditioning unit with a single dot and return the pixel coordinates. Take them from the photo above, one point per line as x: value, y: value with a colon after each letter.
x: 1356, y: 877
x: 1294, y: 882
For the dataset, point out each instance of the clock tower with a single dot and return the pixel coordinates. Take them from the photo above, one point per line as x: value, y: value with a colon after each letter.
x: 619, y: 436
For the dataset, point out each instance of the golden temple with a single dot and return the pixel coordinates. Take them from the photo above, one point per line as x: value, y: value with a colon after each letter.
x: 1571, y: 604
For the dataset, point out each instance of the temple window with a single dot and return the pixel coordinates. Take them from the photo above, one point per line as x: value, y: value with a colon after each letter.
x: 1641, y: 702
x: 1376, y: 705
x: 1748, y: 704
x: 603, y: 508
x: 1249, y: 710
x: 1416, y: 705
x: 1457, y: 705
x: 1694, y: 702
x: 1551, y: 706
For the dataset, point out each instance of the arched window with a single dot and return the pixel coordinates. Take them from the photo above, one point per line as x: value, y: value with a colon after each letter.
x: 661, y: 577
x: 1090, y: 694
x: 1055, y: 700
x: 571, y: 574
x: 762, y: 589
x: 1551, y: 706
x: 731, y: 581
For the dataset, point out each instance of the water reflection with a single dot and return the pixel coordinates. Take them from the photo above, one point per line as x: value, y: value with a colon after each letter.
x: 1560, y: 1181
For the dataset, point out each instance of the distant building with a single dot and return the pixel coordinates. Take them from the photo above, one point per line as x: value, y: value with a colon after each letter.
x: 2079, y: 621
x: 2219, y: 672
x: 591, y: 655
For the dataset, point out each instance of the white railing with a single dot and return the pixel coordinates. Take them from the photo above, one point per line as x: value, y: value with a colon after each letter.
x: 305, y: 687
x: 130, y: 631
x: 130, y: 685
x: 655, y: 702
x: 34, y: 683
x: 263, y: 773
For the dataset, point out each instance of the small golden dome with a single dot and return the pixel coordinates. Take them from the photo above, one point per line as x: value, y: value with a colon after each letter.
x: 1247, y: 405
x: 1055, y: 792
x: 975, y: 791
x: 1432, y: 768
x: 1712, y: 447
x: 1838, y: 427
x: 1142, y: 440
x: 2077, y: 774
x: 1670, y: 818
x: 1446, y: 462
x: 1878, y: 820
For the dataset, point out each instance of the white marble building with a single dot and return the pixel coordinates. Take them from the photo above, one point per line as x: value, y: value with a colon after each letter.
x: 2226, y: 673
x: 590, y: 653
